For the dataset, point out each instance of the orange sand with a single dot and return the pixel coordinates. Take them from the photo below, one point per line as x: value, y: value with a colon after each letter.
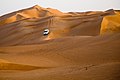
x: 80, y: 46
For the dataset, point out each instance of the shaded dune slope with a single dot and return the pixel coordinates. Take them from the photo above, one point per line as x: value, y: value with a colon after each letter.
x: 29, y: 30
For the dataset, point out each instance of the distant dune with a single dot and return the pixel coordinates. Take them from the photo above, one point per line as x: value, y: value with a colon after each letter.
x: 111, y: 23
x: 79, y: 46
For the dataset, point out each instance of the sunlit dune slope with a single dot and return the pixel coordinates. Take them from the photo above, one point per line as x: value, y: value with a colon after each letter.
x: 5, y: 65
x: 3, y: 61
x: 33, y: 12
x: 111, y: 24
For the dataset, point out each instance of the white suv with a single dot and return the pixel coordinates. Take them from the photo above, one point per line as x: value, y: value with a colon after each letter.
x: 46, y: 32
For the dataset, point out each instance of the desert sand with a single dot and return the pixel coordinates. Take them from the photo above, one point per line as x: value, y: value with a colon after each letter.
x: 80, y: 45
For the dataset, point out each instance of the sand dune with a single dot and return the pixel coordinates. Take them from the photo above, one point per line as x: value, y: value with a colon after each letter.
x: 111, y: 24
x: 19, y: 67
x: 80, y: 45
x: 30, y: 30
x: 79, y: 61
x: 33, y: 12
